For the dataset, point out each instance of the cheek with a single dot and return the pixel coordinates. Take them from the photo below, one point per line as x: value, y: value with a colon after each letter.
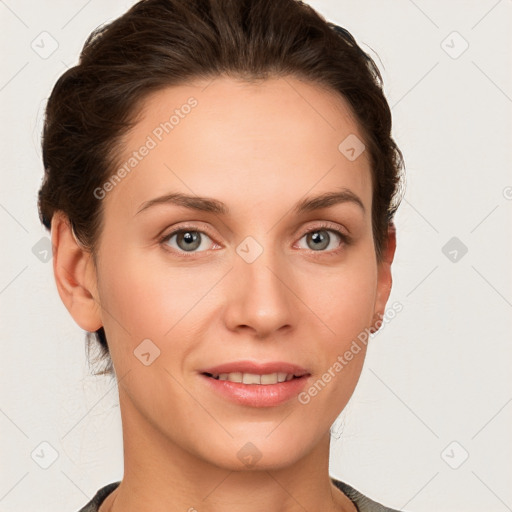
x: 143, y: 298
x: 343, y: 299
x: 138, y: 303
x: 131, y: 294
x: 345, y: 304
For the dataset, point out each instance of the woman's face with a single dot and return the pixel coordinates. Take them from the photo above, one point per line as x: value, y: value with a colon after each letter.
x: 244, y: 285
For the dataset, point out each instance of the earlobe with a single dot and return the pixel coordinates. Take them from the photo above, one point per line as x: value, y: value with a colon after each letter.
x: 75, y: 275
x: 384, y: 279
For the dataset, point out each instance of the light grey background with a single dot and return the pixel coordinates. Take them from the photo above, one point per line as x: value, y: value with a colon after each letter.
x: 436, y: 386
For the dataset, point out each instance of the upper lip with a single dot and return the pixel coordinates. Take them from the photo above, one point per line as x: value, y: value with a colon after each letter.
x: 256, y: 368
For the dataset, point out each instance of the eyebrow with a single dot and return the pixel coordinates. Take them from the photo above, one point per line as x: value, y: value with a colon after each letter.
x: 206, y: 204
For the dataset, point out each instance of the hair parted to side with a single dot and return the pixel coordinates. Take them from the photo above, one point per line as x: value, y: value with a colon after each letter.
x: 162, y: 43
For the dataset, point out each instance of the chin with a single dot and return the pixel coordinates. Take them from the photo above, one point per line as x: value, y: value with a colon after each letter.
x: 258, y: 451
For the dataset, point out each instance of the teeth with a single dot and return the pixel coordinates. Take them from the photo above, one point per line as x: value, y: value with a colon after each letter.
x: 233, y: 377
x: 250, y: 378
x: 270, y: 378
x: 253, y: 378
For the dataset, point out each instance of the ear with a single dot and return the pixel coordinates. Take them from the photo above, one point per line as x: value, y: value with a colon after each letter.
x: 75, y: 275
x: 384, y: 278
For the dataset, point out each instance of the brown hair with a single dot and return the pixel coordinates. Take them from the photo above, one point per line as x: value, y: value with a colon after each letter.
x: 161, y: 43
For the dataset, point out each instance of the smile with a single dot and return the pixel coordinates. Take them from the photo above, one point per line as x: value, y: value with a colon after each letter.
x: 253, y: 378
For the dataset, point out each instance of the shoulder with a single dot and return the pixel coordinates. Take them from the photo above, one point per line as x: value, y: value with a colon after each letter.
x: 362, y: 502
x: 99, y: 498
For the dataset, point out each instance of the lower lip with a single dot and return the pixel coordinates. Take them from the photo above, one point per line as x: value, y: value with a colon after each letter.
x: 258, y: 395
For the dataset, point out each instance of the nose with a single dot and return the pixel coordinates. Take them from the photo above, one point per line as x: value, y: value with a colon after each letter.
x: 260, y: 298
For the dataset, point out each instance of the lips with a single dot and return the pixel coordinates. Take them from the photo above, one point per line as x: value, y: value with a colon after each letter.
x: 256, y: 384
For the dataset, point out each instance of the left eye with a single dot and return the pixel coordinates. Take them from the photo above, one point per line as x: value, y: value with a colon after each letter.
x: 320, y: 239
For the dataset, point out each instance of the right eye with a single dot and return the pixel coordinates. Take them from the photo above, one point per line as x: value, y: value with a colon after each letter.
x: 186, y: 240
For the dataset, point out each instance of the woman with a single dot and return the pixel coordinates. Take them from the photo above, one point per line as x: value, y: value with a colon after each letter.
x: 220, y: 185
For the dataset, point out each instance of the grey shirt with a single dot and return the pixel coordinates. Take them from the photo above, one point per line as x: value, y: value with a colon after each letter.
x: 361, y: 502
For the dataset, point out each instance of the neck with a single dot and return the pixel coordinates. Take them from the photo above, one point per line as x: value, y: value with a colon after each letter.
x: 161, y: 476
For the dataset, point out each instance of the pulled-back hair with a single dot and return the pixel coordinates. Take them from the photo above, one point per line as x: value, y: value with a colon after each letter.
x: 162, y: 43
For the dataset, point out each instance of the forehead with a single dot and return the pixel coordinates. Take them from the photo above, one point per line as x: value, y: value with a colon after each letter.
x: 240, y: 142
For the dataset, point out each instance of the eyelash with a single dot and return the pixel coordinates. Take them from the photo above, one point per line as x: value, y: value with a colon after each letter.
x: 345, y: 239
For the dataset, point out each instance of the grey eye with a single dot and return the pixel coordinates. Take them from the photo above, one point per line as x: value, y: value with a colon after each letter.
x: 320, y: 239
x: 187, y: 240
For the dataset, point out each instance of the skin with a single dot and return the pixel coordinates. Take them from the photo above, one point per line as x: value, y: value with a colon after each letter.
x: 259, y: 148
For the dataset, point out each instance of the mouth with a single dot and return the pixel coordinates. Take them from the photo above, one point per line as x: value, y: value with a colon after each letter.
x: 254, y: 378
x: 256, y: 384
